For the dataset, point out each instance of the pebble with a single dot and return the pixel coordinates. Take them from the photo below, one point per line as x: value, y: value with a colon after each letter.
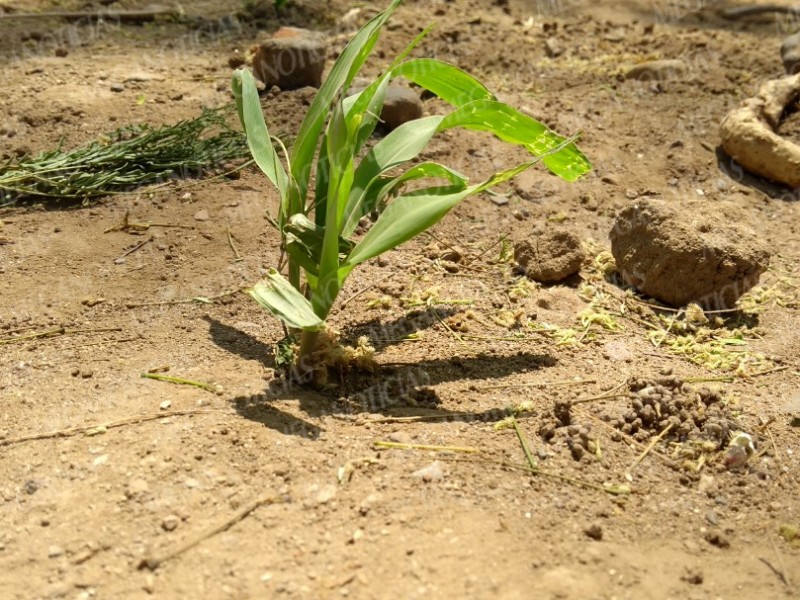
x: 138, y: 486
x: 170, y: 523
x: 165, y: 405
x: 553, y: 48
x: 201, y: 215
x: 400, y: 437
x: 712, y: 517
x: 55, y: 551
x: 117, y: 87
x: 433, y: 472
x: 401, y: 105
x: 594, y: 532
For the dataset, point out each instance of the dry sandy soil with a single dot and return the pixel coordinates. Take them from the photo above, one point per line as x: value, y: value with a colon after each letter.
x: 336, y: 516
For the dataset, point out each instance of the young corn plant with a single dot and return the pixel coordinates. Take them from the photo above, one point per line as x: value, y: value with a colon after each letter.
x: 317, y: 223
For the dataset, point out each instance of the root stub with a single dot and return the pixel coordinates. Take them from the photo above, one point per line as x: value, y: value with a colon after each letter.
x: 749, y: 135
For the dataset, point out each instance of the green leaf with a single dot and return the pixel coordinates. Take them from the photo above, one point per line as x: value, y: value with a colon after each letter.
x: 341, y: 76
x: 381, y: 187
x: 511, y: 125
x: 447, y: 81
x: 278, y: 296
x: 401, y: 145
x: 409, y: 215
x: 248, y: 105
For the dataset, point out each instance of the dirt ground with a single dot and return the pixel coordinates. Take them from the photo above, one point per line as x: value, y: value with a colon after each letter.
x: 336, y: 516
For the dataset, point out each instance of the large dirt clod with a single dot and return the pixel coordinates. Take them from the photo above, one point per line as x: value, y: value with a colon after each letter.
x: 550, y: 256
x: 683, y: 254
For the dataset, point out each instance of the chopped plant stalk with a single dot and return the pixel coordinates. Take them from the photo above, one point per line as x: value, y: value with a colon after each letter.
x: 352, y: 182
x: 199, y: 384
x: 123, y: 159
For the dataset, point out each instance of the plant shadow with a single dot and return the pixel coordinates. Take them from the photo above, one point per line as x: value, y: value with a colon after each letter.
x: 398, y: 390
x: 240, y: 343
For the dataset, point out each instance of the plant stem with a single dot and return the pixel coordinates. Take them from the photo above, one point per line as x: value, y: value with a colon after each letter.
x: 302, y: 365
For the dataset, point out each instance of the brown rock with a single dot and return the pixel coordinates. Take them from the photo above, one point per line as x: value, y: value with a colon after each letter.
x: 292, y: 58
x: 550, y: 256
x: 400, y: 106
x: 685, y: 254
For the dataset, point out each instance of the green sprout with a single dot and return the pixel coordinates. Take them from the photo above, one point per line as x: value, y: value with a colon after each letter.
x: 318, y: 222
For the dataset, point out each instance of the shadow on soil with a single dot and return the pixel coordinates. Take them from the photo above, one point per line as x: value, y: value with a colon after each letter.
x: 396, y: 390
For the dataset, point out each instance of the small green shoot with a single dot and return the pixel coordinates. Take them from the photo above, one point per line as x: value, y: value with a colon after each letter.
x: 330, y: 179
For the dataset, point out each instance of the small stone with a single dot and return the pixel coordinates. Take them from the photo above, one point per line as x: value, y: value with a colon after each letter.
x: 292, y: 58
x: 594, y: 532
x: 712, y: 517
x: 117, y: 87
x: 400, y: 106
x: 170, y: 523
x: 657, y: 70
x: 55, y: 551
x: 553, y: 48
x: 165, y: 405
x: 693, y: 576
x: 707, y: 484
x: 61, y: 52
x: 400, y: 437
x: 717, y: 539
x: 551, y: 256
x: 201, y: 215
x: 137, y: 486
x: 87, y: 374
x: 433, y: 472
x: 357, y: 535
x: 325, y: 494
x: 149, y: 585
x: 192, y: 483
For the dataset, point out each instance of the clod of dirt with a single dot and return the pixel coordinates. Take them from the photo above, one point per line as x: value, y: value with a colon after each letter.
x: 550, y: 256
x: 683, y: 255
x: 657, y: 70
x: 292, y: 58
x: 594, y: 532
x: 748, y: 133
x: 790, y: 53
x: 400, y: 106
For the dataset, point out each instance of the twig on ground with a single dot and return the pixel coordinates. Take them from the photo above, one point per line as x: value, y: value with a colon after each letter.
x: 650, y: 446
x: 123, y: 16
x: 565, y: 383
x: 400, y: 446
x: 198, y: 299
x: 55, y: 332
x: 232, y: 244
x: 100, y: 428
x: 169, y: 379
x: 608, y: 395
x: 366, y: 289
x: 616, y: 490
x: 153, y: 562
x: 524, y: 443
x: 136, y: 247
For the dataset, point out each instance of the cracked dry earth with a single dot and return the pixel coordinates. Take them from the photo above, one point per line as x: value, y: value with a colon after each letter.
x: 144, y: 468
